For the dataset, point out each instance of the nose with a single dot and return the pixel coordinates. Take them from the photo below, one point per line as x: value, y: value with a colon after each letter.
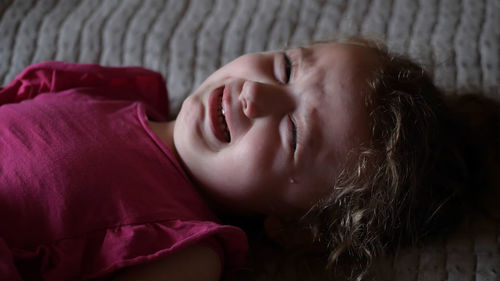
x: 260, y: 99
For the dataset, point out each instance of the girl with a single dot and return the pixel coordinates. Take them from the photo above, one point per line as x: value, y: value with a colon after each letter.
x: 341, y: 141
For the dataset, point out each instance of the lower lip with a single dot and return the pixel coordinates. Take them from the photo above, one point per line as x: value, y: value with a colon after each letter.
x: 214, y: 100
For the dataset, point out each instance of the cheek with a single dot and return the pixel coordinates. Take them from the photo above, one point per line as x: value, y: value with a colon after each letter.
x: 187, y: 122
x: 235, y: 68
x: 255, y: 67
x: 236, y: 176
x: 250, y: 159
x: 189, y: 110
x: 263, y: 159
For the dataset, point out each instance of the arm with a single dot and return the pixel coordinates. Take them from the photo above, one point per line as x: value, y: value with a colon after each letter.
x: 128, y: 83
x: 196, y: 263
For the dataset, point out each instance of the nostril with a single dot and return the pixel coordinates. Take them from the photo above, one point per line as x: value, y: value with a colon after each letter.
x: 244, y: 103
x: 248, y: 98
x: 250, y: 110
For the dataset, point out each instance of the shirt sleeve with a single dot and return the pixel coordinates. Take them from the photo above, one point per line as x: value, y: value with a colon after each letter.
x: 124, y: 83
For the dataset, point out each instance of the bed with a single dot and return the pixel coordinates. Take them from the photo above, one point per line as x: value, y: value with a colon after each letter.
x: 458, y: 40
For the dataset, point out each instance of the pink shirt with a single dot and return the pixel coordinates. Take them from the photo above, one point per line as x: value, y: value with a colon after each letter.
x: 86, y: 187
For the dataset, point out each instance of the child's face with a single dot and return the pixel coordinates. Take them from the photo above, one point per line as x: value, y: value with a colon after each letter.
x: 264, y: 168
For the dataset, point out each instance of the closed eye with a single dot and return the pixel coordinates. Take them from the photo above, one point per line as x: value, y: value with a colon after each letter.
x: 287, y: 67
x: 293, y: 134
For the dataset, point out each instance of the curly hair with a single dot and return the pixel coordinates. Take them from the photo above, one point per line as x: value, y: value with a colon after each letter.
x: 407, y: 183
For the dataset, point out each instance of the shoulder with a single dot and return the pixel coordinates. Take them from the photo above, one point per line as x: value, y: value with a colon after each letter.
x: 197, y: 262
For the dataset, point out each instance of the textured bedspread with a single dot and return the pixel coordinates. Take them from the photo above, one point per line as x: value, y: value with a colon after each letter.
x: 459, y: 40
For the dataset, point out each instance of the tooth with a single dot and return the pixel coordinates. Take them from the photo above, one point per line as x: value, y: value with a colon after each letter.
x: 222, y: 111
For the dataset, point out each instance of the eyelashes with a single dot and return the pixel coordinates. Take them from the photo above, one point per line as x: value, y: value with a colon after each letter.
x: 293, y: 135
x: 287, y: 70
x: 284, y: 75
x: 287, y: 67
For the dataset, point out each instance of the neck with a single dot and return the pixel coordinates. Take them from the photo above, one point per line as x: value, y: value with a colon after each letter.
x: 165, y: 131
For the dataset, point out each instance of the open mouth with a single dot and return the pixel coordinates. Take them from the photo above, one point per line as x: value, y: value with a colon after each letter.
x: 217, y: 116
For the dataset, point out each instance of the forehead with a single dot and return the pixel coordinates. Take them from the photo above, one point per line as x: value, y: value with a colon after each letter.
x: 334, y: 72
x: 332, y: 80
x: 335, y: 60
